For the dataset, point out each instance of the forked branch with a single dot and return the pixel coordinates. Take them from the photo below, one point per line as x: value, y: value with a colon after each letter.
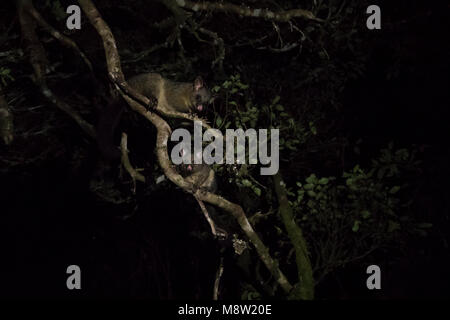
x: 163, y: 132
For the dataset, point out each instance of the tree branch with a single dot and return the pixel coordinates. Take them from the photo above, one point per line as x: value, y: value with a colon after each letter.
x: 163, y: 132
x: 39, y: 62
x: 282, y: 16
x: 305, y: 288
x: 6, y: 122
x: 66, y: 41
x: 126, y: 161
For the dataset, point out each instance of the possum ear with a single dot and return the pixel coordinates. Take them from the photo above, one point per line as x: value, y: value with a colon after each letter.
x: 198, y: 83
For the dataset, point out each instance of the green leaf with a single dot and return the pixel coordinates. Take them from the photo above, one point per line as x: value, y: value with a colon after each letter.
x: 311, y: 193
x: 308, y: 186
x: 424, y: 225
x: 246, y: 183
x: 323, y: 181
x: 279, y: 107
x: 218, y: 121
x: 392, y: 226
x: 356, y: 224
x: 349, y: 182
x: 394, y: 189
x: 58, y: 10
x: 365, y: 214
x: 275, y: 100
x: 312, y: 178
x: 257, y: 191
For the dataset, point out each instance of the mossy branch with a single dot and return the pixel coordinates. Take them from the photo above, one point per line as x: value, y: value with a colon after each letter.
x: 305, y: 288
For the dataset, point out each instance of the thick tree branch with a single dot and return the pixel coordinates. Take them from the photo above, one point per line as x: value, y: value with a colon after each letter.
x: 163, y: 132
x: 305, y: 287
x: 282, y: 16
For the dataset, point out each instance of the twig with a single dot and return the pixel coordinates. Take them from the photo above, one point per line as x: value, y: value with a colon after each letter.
x: 56, y: 34
x: 218, y: 41
x: 207, y: 216
x: 6, y: 122
x: 38, y: 61
x: 126, y: 162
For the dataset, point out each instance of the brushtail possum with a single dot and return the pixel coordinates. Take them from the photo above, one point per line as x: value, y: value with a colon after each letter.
x: 172, y: 96
x: 185, y: 97
x: 202, y: 176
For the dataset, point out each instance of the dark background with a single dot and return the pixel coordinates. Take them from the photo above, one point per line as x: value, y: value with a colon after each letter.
x: 50, y: 218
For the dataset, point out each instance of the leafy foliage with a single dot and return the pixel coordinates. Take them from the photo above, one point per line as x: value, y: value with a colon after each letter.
x: 346, y: 218
x: 5, y: 76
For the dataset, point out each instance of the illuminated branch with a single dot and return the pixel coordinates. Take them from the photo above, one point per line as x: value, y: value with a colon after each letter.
x: 217, y: 281
x: 207, y: 216
x: 135, y: 175
x: 163, y: 132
